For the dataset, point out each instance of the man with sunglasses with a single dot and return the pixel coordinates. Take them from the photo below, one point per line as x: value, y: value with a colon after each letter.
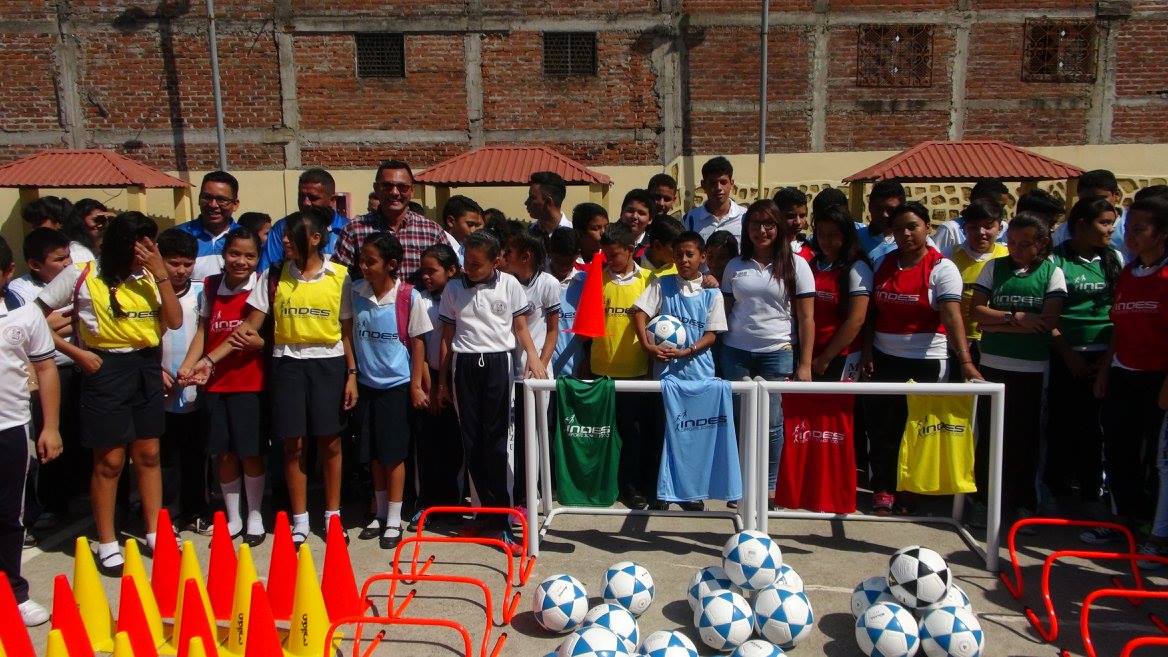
x: 218, y: 199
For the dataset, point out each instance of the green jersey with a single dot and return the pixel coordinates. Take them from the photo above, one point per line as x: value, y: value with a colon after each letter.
x: 1015, y: 290
x: 1086, y: 319
x: 586, y: 446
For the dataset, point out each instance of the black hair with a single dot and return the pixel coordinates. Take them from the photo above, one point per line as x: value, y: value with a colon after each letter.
x: 563, y: 241
x: 992, y: 189
x: 723, y: 239
x: 641, y: 196
x: 1041, y: 202
x: 662, y: 180
x: 300, y: 225
x: 525, y: 242
x: 1087, y: 210
x: 618, y: 234
x: 886, y: 189
x: 45, y: 209
x: 483, y: 239
x: 910, y: 207
x: 7, y: 260
x: 664, y: 229
x: 790, y: 197
x: 503, y: 231
x: 74, y: 224
x: 1155, y: 206
x: 492, y: 217
x: 690, y: 236
x: 551, y: 184
x: 583, y: 213
x: 443, y: 254
x: 1024, y: 220
x: 1099, y: 179
x: 320, y: 177
x: 175, y: 243
x: 388, y: 248
x: 851, y: 251
x: 393, y: 165
x: 116, y: 260
x: 459, y: 205
x: 221, y: 177
x: 717, y: 166
x: 781, y: 257
x: 1152, y: 191
x: 980, y: 209
x: 827, y: 198
x: 42, y: 241
x: 254, y: 221
x: 243, y: 233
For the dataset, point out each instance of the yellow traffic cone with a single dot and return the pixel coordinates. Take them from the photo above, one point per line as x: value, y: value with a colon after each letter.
x: 91, y: 600
x: 136, y: 569
x: 122, y: 646
x: 195, y: 648
x: 188, y: 570
x: 56, y: 645
x: 245, y: 576
x: 310, y: 620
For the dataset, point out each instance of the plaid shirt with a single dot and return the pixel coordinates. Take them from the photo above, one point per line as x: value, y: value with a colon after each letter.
x: 416, y: 233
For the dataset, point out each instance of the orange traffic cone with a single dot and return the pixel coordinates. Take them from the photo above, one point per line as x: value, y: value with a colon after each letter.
x: 589, y: 321
x: 194, y: 622
x: 13, y: 634
x: 67, y: 619
x: 132, y: 620
x: 262, y: 638
x: 338, y: 582
x: 221, y: 569
x: 282, y: 568
x: 164, y: 572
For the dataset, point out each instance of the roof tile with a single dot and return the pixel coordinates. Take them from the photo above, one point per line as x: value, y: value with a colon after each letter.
x: 91, y: 167
x: 966, y: 160
x: 508, y: 165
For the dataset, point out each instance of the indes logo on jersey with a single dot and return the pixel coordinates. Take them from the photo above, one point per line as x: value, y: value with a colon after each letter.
x: 1136, y: 306
x: 369, y: 334
x: 700, y: 325
x: 1083, y: 284
x: 826, y: 295
x: 894, y: 297
x: 138, y: 314
x: 613, y: 310
x: 301, y: 311
x: 577, y: 430
x: 1016, y: 301
x: 803, y: 434
x: 220, y: 325
x: 941, y: 426
x: 685, y: 423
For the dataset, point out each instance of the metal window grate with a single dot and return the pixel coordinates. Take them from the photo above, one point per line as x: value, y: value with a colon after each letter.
x: 380, y: 55
x: 894, y: 56
x: 1059, y: 51
x: 567, y: 54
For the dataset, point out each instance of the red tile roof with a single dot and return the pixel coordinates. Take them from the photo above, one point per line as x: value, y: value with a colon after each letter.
x: 508, y: 165
x: 956, y: 161
x: 83, y: 168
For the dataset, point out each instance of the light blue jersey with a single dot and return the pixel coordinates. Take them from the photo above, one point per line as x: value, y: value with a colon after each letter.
x: 700, y: 458
x: 383, y: 361
x: 692, y: 311
x: 569, y: 346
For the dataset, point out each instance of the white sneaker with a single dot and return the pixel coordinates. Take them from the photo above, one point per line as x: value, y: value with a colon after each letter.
x: 32, y: 613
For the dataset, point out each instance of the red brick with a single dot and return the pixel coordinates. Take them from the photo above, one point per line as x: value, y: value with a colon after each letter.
x: 1139, y: 124
x: 1141, y: 54
x: 724, y: 64
x: 1033, y: 126
x: 26, y: 67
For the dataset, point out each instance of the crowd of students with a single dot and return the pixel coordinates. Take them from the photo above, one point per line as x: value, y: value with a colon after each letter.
x: 230, y: 341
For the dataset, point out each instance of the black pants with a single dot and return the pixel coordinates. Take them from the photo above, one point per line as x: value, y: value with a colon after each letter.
x: 1021, y: 434
x: 437, y: 456
x: 640, y: 449
x: 1074, y: 432
x: 14, y: 457
x: 1131, y: 424
x: 184, y: 448
x: 65, y: 477
x: 886, y: 414
x: 483, y: 395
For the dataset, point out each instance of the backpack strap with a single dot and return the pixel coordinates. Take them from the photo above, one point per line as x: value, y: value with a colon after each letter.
x: 76, y: 320
x: 401, y: 307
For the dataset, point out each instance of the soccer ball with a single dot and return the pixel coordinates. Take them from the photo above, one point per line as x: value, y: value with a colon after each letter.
x: 886, y: 629
x: 757, y: 648
x: 868, y: 593
x: 724, y: 620
x: 593, y: 641
x: 789, y: 578
x: 630, y: 586
x: 668, y: 644
x: 752, y: 560
x: 667, y: 331
x: 918, y: 577
x: 783, y: 615
x: 618, y: 619
x: 706, y: 581
x: 560, y: 603
x: 951, y: 632
x: 954, y: 597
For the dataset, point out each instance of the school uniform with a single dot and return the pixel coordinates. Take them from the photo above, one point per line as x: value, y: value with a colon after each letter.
x: 307, y: 378
x: 235, y: 390
x: 184, y: 440
x: 831, y: 311
x: 569, y: 347
x: 702, y: 221
x: 698, y: 309
x: 437, y: 461
x: 543, y: 291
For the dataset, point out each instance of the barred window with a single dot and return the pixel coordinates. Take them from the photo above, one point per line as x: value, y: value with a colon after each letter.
x: 894, y: 56
x: 380, y: 55
x: 569, y: 54
x: 1059, y: 51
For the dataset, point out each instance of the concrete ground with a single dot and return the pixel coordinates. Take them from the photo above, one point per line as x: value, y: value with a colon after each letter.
x: 830, y: 556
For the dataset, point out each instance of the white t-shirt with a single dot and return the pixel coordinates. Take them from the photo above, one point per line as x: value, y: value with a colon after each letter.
x: 760, y: 319
x: 944, y: 285
x: 650, y: 302
x: 258, y: 299
x: 702, y: 221
x: 483, y: 313
x: 543, y: 291
x: 80, y: 253
x: 26, y: 339
x: 433, y: 339
x: 176, y: 342
x: 58, y: 294
x: 27, y: 288
x: 459, y: 249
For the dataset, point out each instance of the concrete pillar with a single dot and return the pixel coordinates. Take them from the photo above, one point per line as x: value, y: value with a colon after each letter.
x: 856, y: 200
x: 182, y: 204
x: 598, y: 194
x: 441, y: 196
x: 136, y: 198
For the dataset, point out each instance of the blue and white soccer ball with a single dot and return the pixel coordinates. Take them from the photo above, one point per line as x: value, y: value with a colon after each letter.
x: 667, y: 331
x: 918, y: 577
x: 560, y: 603
x: 724, y: 620
x: 886, y: 629
x: 668, y: 644
x: 868, y: 593
x: 789, y: 578
x: 630, y: 586
x: 783, y: 615
x: 757, y: 648
x: 704, y: 582
x: 593, y: 641
x: 951, y: 632
x: 752, y: 560
x: 618, y: 619
x: 955, y: 597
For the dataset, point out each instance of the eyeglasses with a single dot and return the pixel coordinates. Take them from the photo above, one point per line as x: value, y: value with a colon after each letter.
x: 221, y: 200
x: 764, y: 226
x: 402, y: 188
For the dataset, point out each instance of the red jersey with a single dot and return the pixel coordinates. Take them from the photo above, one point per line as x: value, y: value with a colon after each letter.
x: 901, y: 296
x: 829, y: 310
x: 239, y: 371
x: 817, y: 469
x: 1140, y: 315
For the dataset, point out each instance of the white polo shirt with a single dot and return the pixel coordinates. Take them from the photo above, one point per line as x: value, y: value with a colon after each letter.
x: 650, y: 301
x: 27, y: 287
x: 24, y: 337
x: 543, y: 293
x: 702, y: 221
x: 482, y: 313
x: 760, y: 319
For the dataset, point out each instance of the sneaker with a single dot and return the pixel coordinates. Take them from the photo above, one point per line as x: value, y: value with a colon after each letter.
x: 696, y: 505
x: 1155, y: 548
x: 732, y: 504
x: 46, y: 521
x: 635, y: 500
x: 33, y: 613
x: 1100, y: 536
x: 412, y: 526
x: 514, y: 545
x: 371, y: 530
x: 30, y: 541
x: 882, y: 503
x: 658, y: 505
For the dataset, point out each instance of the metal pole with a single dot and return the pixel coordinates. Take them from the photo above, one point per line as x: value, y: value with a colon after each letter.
x: 215, y: 85
x: 762, y: 95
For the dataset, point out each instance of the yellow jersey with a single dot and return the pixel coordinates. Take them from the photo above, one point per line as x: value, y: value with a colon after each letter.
x: 618, y: 354
x: 970, y: 269
x: 309, y: 312
x: 138, y: 322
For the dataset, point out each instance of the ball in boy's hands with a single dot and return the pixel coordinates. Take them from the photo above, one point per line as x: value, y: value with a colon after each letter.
x: 667, y: 331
